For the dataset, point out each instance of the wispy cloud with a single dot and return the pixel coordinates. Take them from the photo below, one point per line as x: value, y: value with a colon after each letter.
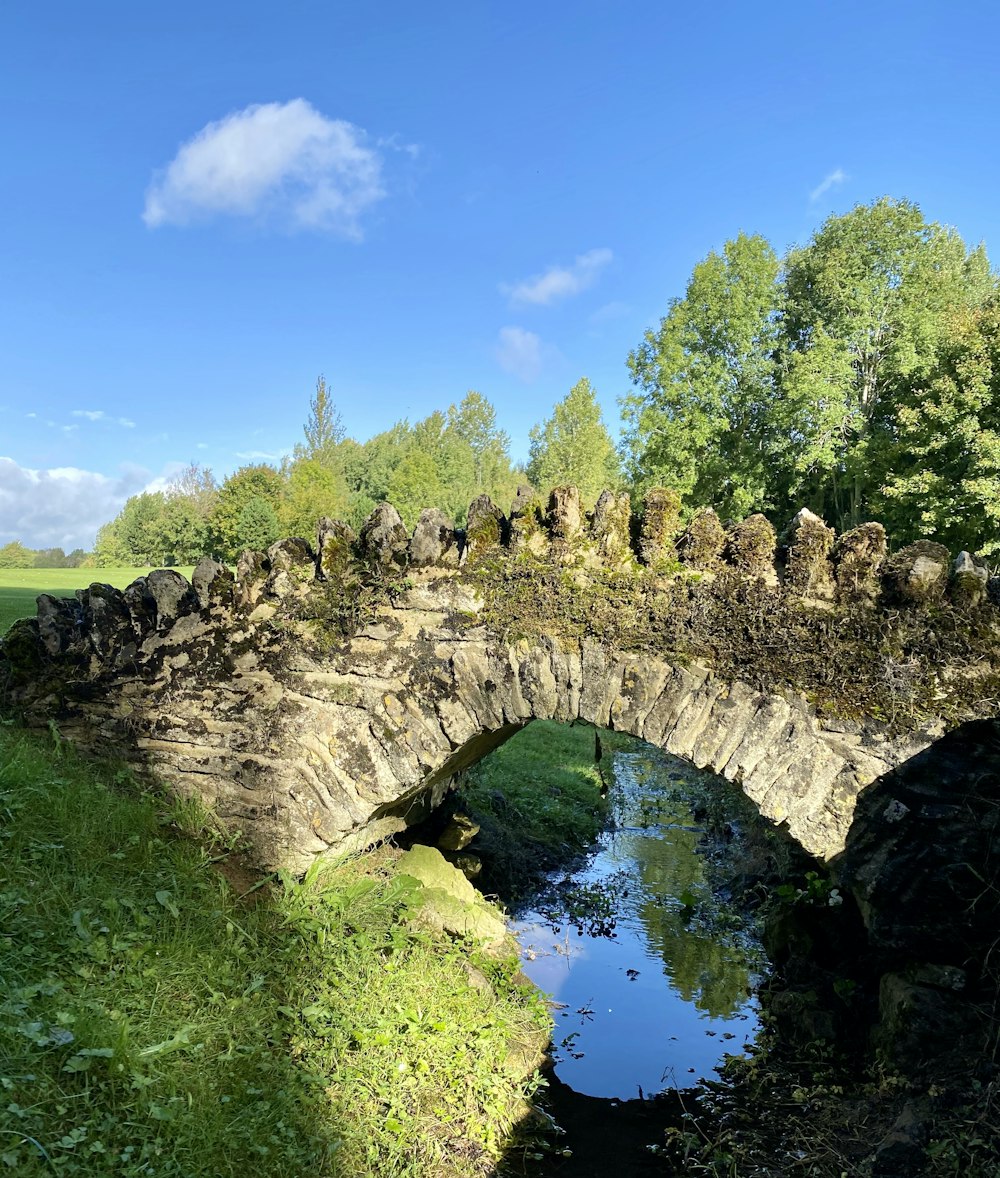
x: 560, y: 282
x: 519, y: 352
x: 281, y: 162
x: 261, y: 455
x: 837, y: 176
x: 99, y: 415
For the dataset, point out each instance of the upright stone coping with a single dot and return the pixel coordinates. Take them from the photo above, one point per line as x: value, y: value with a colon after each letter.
x: 310, y: 740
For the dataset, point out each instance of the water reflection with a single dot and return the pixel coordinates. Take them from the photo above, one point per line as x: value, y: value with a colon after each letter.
x: 652, y: 969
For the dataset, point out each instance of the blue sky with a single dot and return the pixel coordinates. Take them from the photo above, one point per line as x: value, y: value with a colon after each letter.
x: 204, y: 206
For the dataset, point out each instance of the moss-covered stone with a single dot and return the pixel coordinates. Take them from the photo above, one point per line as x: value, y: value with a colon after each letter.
x: 750, y: 546
x: 807, y: 544
x: 22, y: 648
x: 484, y: 525
x: 611, y: 528
x: 661, y: 520
x: 703, y: 542
x: 565, y: 515
x: 447, y: 900
x: 384, y: 542
x: 969, y: 582
x: 917, y: 574
x: 335, y: 548
x: 857, y: 558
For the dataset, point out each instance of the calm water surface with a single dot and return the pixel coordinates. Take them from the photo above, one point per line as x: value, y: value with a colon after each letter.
x: 652, y: 969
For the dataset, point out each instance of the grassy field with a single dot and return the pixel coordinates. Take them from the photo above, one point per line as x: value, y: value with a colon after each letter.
x: 152, y: 1021
x: 20, y: 587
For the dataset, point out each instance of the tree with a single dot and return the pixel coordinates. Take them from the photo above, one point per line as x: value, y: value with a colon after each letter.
x: 869, y: 304
x: 700, y: 422
x: 15, y: 556
x: 574, y: 446
x: 182, y: 531
x: 943, y: 465
x: 258, y: 481
x: 257, y: 524
x: 197, y: 484
x: 474, y: 421
x: 312, y: 489
x: 416, y: 484
x: 324, y: 430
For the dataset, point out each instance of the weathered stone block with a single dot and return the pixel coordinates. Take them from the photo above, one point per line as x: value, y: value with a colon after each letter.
x: 384, y: 541
x: 807, y: 544
x: 172, y: 593
x: 213, y: 582
x: 917, y: 574
x: 857, y: 558
x: 703, y: 542
x: 611, y: 528
x: 335, y: 543
x: 750, y: 546
x: 434, y: 540
x: 485, y: 525
x: 565, y: 516
x: 661, y: 518
x: 968, y: 582
x: 59, y: 625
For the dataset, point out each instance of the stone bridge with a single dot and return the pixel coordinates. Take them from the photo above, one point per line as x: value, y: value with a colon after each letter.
x: 326, y: 695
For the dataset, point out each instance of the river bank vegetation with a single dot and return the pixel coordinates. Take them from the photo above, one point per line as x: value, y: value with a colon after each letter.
x: 166, y: 1011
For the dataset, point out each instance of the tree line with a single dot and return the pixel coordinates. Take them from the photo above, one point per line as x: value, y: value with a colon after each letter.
x: 446, y: 460
x: 858, y: 375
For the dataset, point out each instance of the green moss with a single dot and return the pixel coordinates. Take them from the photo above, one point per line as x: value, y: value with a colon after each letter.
x: 702, y: 543
x: 661, y: 518
x: 751, y: 544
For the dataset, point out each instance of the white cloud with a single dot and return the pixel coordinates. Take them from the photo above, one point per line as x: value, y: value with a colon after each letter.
x: 62, y: 507
x: 260, y: 455
x: 837, y: 176
x: 90, y: 414
x: 559, y: 282
x: 276, y: 161
x: 519, y: 352
x: 125, y: 423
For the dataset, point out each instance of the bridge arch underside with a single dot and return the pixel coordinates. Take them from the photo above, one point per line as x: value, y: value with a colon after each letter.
x: 366, y: 751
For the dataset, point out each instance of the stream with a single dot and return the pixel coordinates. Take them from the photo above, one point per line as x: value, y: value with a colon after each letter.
x: 651, y: 967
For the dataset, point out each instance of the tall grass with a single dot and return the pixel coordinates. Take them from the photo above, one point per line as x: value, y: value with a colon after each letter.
x: 152, y: 1023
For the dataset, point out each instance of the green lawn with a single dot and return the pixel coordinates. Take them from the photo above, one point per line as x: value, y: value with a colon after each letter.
x: 20, y: 587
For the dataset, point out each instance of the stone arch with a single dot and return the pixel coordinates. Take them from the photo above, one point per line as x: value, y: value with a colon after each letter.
x: 314, y: 739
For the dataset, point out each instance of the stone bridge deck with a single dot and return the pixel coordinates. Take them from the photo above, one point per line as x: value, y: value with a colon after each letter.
x: 323, y: 697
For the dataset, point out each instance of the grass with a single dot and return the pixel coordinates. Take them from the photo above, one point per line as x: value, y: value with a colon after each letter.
x: 152, y: 1023
x: 540, y: 800
x: 20, y: 587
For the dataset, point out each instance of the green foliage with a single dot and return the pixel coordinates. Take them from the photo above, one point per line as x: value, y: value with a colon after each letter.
x: 854, y: 377
x: 574, y: 447
x: 15, y: 556
x: 700, y: 422
x: 153, y: 1023
x: 943, y: 462
x: 869, y: 304
x: 325, y: 428
x: 312, y: 489
x: 257, y: 525
x: 261, y: 482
